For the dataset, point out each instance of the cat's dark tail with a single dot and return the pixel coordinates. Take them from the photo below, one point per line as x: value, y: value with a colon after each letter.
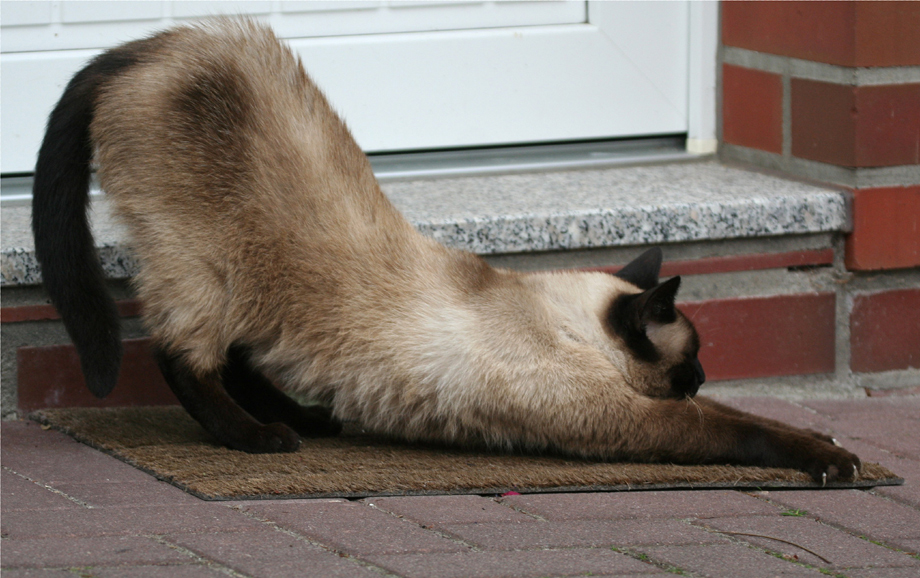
x: 64, y: 245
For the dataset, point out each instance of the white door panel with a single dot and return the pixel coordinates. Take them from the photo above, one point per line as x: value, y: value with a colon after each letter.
x: 487, y: 87
x: 504, y: 73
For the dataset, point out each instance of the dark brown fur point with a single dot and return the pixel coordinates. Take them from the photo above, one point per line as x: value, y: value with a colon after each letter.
x: 270, y: 256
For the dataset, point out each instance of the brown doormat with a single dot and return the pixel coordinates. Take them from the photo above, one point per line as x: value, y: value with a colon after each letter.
x: 167, y: 443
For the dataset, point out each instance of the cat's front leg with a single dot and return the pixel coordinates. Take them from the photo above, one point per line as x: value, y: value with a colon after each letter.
x: 678, y: 432
x: 713, y: 404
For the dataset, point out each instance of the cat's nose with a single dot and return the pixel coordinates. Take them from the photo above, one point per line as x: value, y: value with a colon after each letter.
x: 700, y: 374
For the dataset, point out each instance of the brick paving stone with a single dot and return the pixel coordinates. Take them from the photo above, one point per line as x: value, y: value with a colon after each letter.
x: 270, y: 554
x: 907, y: 407
x: 37, y: 573
x: 21, y: 494
x: 726, y: 561
x: 781, y: 410
x: 107, y: 550
x: 641, y: 505
x: 122, y: 521
x: 842, y: 549
x: 351, y: 527
x: 580, y: 534
x: 883, y: 573
x: 520, y: 564
x: 436, y: 511
x: 858, y: 511
x: 149, y: 493
x: 912, y: 547
x: 58, y: 462
x: 186, y: 571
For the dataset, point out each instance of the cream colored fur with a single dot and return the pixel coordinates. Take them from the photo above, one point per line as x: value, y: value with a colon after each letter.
x: 274, y: 234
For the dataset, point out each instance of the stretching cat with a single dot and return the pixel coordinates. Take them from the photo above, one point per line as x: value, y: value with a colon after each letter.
x: 268, y: 254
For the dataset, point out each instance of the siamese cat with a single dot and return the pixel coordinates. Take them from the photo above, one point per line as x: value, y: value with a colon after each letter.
x: 269, y: 255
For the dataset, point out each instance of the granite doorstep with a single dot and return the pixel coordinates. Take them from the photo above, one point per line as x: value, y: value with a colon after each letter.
x: 542, y: 212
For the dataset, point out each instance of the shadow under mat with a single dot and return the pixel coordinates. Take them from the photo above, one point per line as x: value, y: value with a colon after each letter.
x: 168, y: 443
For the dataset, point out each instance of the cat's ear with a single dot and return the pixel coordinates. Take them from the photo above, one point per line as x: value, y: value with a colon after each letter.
x: 630, y: 315
x: 657, y: 304
x: 643, y: 270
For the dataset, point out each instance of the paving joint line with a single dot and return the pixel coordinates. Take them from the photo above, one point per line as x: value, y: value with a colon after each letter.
x: 325, y: 547
x: 213, y: 564
x: 846, y: 530
x: 439, y: 533
x: 734, y: 538
x: 520, y: 510
x: 894, y: 499
x: 636, y: 554
x: 77, y: 501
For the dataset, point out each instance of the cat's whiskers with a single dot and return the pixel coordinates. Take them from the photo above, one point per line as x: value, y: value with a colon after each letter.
x: 699, y: 410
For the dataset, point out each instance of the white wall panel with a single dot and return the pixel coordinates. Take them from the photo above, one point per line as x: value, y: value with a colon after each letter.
x: 500, y: 73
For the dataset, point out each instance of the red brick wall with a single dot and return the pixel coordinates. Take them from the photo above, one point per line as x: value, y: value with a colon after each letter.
x: 814, y: 87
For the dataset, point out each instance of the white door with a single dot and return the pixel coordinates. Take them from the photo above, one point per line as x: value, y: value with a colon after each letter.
x: 404, y: 75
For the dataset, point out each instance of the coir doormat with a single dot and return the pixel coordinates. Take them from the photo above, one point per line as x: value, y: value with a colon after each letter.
x: 169, y: 444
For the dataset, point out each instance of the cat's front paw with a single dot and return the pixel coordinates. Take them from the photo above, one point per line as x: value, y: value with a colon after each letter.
x: 829, y: 463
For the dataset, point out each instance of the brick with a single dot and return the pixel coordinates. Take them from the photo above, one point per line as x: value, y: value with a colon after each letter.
x: 855, y: 126
x: 861, y: 513
x: 842, y: 549
x: 184, y: 571
x: 437, y: 511
x: 579, y: 534
x: 640, y: 505
x: 886, y: 34
x: 271, y: 554
x: 732, y: 263
x: 823, y: 122
x: 889, y: 421
x: 126, y: 521
x: 885, y: 331
x: 886, y: 222
x: 903, y: 408
x: 21, y: 494
x: 765, y: 336
x: 20, y: 313
x: 71, y: 463
x: 351, y: 527
x: 782, y: 410
x: 36, y: 573
x: 820, y: 31
x: 752, y: 108
x: 50, y: 376
x: 844, y: 33
x: 888, y: 125
x: 524, y: 564
x: 109, y: 550
x: 726, y: 560
x: 149, y: 493
x: 883, y: 573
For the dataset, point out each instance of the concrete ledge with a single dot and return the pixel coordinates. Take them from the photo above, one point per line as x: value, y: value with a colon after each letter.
x: 543, y: 212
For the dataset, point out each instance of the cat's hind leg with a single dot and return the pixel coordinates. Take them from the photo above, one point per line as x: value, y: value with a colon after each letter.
x: 265, y: 402
x: 206, y: 400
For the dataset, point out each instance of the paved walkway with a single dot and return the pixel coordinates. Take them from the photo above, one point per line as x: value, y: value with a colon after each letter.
x: 68, y: 510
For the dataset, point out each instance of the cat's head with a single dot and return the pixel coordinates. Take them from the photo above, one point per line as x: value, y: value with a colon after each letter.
x: 661, y: 343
